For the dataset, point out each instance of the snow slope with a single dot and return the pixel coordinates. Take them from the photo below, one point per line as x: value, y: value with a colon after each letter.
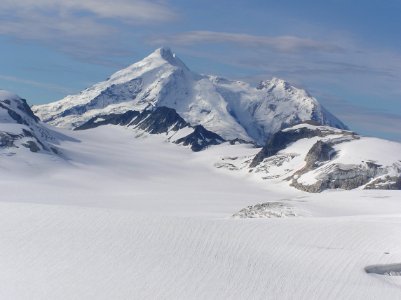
x: 139, y: 218
x: 232, y: 109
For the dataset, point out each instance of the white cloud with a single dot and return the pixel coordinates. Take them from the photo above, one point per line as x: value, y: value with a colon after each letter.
x: 126, y: 10
x: 83, y: 28
x: 282, y: 43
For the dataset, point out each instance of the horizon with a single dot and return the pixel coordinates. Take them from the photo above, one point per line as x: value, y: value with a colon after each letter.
x: 346, y: 55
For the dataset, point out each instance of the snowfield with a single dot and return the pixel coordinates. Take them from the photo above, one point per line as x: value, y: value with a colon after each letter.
x: 118, y: 216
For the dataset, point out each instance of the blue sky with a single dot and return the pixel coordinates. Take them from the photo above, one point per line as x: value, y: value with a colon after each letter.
x: 345, y: 53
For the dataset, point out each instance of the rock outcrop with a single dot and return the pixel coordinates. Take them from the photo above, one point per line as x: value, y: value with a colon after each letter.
x: 160, y: 120
x: 316, y: 158
x: 283, y: 138
x: 20, y: 128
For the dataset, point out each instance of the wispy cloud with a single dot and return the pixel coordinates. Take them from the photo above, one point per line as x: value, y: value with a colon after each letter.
x: 47, y: 86
x: 281, y: 43
x: 125, y: 10
x: 314, y: 61
x: 373, y: 122
x: 85, y: 29
x: 363, y: 119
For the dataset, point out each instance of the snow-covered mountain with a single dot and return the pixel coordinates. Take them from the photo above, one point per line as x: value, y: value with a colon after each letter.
x: 20, y: 129
x: 314, y: 158
x: 231, y: 109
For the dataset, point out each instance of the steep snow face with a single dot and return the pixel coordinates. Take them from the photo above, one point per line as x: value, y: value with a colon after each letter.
x: 232, y: 109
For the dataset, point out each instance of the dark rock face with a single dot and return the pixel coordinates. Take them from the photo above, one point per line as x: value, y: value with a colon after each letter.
x: 386, y: 183
x: 282, y: 139
x: 32, y: 146
x: 17, y: 117
x: 320, y: 152
x: 346, y: 177
x: 7, y: 139
x: 339, y: 176
x: 26, y: 109
x: 241, y: 141
x: 158, y: 121
x: 200, y: 139
x: 112, y: 119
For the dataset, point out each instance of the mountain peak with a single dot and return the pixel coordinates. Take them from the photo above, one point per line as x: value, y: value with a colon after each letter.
x: 6, y: 95
x: 166, y: 54
x: 232, y: 109
x: 273, y: 83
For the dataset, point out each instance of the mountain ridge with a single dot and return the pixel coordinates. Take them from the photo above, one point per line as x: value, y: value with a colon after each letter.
x: 231, y: 109
x: 307, y: 156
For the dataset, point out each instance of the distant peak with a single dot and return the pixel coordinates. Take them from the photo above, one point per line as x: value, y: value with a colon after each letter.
x: 169, y: 56
x: 276, y: 80
x: 165, y: 52
x: 273, y: 83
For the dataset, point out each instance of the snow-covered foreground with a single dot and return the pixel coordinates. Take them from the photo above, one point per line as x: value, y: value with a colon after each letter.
x: 138, y: 218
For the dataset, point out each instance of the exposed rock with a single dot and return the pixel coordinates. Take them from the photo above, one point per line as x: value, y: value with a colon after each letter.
x: 20, y: 105
x: 320, y: 152
x: 23, y: 127
x: 160, y: 120
x: 241, y: 141
x: 325, y: 166
x: 266, y: 210
x: 284, y: 138
x: 113, y: 119
x: 23, y: 106
x: 7, y: 139
x: 340, y: 176
x: 32, y: 146
x: 385, y: 183
x: 200, y: 138
x: 385, y: 270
